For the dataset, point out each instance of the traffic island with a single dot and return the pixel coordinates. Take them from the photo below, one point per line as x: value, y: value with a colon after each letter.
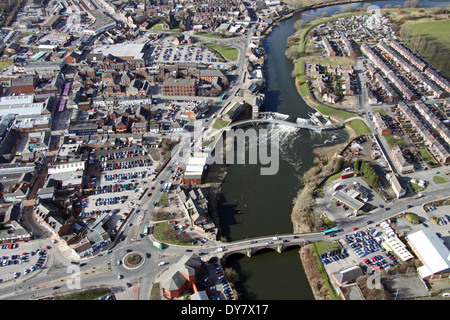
x: 133, y: 260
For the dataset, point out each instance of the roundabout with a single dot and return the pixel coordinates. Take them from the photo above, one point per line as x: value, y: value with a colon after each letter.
x: 133, y: 260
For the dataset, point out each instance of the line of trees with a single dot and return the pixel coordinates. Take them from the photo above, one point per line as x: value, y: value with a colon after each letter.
x: 365, y: 169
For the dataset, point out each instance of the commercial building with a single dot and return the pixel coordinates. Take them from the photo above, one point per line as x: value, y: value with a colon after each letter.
x: 195, y: 168
x: 179, y: 87
x: 398, y: 247
x: 44, y: 68
x: 23, y: 85
x: 67, y: 160
x: 21, y: 105
x: 51, y: 23
x: 433, y: 253
x: 348, y: 199
x: 100, y: 25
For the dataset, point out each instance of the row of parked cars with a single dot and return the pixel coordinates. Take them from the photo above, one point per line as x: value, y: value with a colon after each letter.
x: 24, y: 258
x: 10, y: 246
x: 126, y: 176
x: 226, y: 287
x: 122, y: 154
x: 334, y: 255
x: 377, y: 262
x: 110, y: 200
x: 124, y: 164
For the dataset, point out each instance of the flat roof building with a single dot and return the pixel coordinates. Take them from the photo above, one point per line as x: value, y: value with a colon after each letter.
x: 399, y: 248
x: 348, y: 200
x: 432, y: 252
x: 179, y: 87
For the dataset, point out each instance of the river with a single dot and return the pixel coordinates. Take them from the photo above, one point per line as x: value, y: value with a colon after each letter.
x: 254, y: 205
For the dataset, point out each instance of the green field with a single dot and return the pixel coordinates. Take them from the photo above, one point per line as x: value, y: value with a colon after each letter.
x: 433, y: 30
x: 229, y: 53
x: 430, y: 39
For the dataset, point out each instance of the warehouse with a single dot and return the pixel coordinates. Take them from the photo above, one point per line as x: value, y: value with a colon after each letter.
x: 432, y: 252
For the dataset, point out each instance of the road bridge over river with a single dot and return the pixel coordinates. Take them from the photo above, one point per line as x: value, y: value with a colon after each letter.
x: 278, y: 243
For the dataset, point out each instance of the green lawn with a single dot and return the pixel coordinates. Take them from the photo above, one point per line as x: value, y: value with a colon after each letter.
x: 228, y: 53
x: 438, y: 179
x: 380, y: 111
x: 317, y: 249
x: 164, y: 200
x: 427, y: 156
x: 416, y: 188
x: 157, y: 27
x: 325, y: 110
x: 434, y: 43
x: 219, y: 123
x: 360, y: 127
x: 393, y: 141
x: 5, y: 64
x: 163, y: 232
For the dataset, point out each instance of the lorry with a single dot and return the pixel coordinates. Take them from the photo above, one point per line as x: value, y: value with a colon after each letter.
x: 276, y: 238
x: 157, y: 245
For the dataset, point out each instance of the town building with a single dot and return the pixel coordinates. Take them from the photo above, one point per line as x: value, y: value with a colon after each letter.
x: 328, y: 47
x: 396, y: 185
x: 183, y: 275
x: 381, y: 124
x: 23, y: 85
x: 179, y: 87
x: 400, y: 160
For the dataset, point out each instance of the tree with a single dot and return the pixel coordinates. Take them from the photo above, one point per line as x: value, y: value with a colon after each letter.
x: 299, y: 24
x: 412, y: 4
x: 357, y: 164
